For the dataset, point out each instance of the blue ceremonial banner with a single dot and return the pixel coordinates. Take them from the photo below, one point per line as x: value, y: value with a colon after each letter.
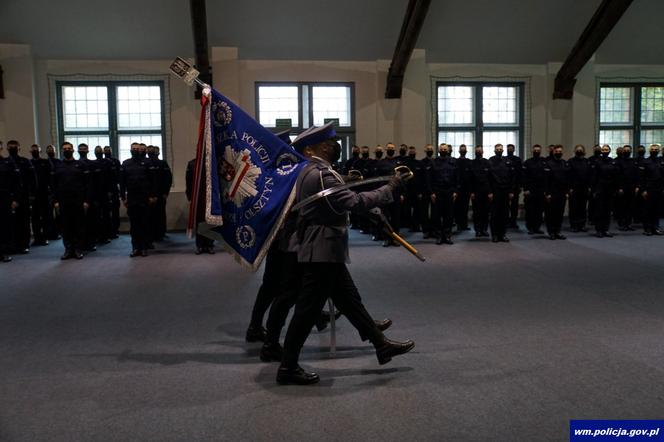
x: 250, y: 177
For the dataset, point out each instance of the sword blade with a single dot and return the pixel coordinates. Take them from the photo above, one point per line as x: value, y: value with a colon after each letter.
x: 336, y: 189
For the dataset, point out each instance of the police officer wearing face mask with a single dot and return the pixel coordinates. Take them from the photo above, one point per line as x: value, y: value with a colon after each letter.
x: 627, y: 189
x: 462, y: 203
x: 556, y: 176
x: 579, y: 189
x: 604, y: 186
x: 10, y: 189
x: 480, y: 192
x: 72, y: 195
x: 114, y: 199
x: 102, y: 197
x: 501, y: 175
x: 534, y: 186
x: 651, y: 173
x: 138, y: 191
x: 53, y: 226
x: 639, y: 207
x: 443, y: 186
x: 42, y: 215
x: 165, y: 180
x: 592, y: 161
x: 95, y: 182
x: 517, y: 166
x: 21, y: 224
x: 322, y: 251
x: 423, y: 195
x: 350, y: 162
x: 411, y: 211
x: 383, y: 167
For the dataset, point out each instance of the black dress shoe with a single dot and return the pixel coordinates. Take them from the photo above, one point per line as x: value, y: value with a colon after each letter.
x: 575, y: 230
x: 67, y: 255
x: 199, y: 250
x: 255, y: 334
x: 6, y: 258
x: 485, y: 233
x: 647, y: 233
x: 504, y: 239
x: 383, y: 324
x: 447, y: 240
x: 560, y: 236
x: 210, y: 250
x: 24, y: 251
x: 657, y: 232
x: 599, y: 234
x: 387, y: 243
x: 608, y: 234
x: 296, y: 376
x: 135, y: 253
x: 539, y: 232
x: 271, y: 352
x: 582, y: 229
x: 387, y: 349
x: 144, y: 253
x: 78, y: 254
x: 478, y: 234
x: 439, y: 241
x: 552, y: 236
x: 495, y: 239
x: 39, y: 243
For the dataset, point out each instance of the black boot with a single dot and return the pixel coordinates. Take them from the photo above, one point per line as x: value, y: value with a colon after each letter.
x: 296, y: 376
x: 271, y: 352
x: 255, y: 334
x: 387, y: 349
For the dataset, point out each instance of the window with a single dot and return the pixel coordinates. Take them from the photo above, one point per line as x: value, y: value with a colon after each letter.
x: 480, y: 113
x: 299, y: 105
x: 630, y: 114
x: 111, y: 114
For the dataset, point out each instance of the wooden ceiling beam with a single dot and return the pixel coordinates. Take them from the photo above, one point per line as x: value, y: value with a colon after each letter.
x: 202, y: 51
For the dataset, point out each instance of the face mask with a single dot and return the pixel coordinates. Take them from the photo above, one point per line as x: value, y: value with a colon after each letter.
x: 443, y: 154
x: 35, y: 155
x: 479, y: 154
x: 356, y: 154
x: 411, y: 155
x: 68, y: 154
x: 402, y: 152
x: 83, y: 155
x: 99, y: 155
x: 558, y: 155
x: 336, y: 153
x: 135, y: 154
x: 107, y: 154
x: 499, y: 153
x: 627, y: 154
x: 13, y: 151
x: 50, y: 154
x: 537, y: 154
x: 654, y: 153
x: 152, y: 155
x: 379, y: 155
x: 511, y: 154
x: 597, y: 153
x: 605, y: 154
x: 390, y: 152
x: 365, y: 155
x: 641, y: 153
x: 429, y: 153
x: 462, y: 154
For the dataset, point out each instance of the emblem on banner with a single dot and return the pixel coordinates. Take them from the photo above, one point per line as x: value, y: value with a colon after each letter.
x: 239, y: 175
x: 245, y: 236
x: 286, y: 164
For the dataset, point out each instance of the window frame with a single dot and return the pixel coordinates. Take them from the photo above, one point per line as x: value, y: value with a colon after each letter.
x: 347, y: 132
x: 478, y: 126
x: 113, y: 132
x: 636, y: 126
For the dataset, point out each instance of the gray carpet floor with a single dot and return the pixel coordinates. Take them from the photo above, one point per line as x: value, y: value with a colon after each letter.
x: 512, y: 341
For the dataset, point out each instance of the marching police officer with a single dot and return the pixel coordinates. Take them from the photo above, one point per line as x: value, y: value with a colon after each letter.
x: 138, y: 191
x: 579, y: 189
x: 72, y: 195
x: 556, y: 175
x: 604, y: 179
x: 462, y: 203
x: 443, y: 186
x: 517, y: 166
x: 114, y: 199
x: 534, y: 186
x: 501, y: 175
x: 21, y: 224
x: 42, y: 212
x: 652, y: 185
x: 322, y: 252
x: 10, y: 188
x: 480, y: 193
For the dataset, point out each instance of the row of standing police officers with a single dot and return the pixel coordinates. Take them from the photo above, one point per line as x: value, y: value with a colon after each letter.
x: 44, y: 198
x: 444, y: 188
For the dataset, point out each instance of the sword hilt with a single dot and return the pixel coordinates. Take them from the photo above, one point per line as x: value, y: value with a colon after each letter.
x: 403, y: 172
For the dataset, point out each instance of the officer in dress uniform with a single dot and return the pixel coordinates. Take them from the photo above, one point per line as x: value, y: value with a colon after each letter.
x: 604, y: 182
x: 138, y: 191
x: 322, y: 253
x: 95, y: 181
x: 579, y: 189
x: 423, y: 195
x: 52, y: 226
x: 627, y: 189
x: 443, y: 186
x: 596, y: 156
x: 556, y: 177
x: 411, y: 211
x: 639, y: 206
x: 114, y: 198
x: 518, y: 183
x: 501, y: 176
x: 72, y: 195
x: 10, y: 188
x: 42, y: 204
x: 102, y: 196
x: 652, y: 185
x: 385, y: 166
x: 350, y: 162
x: 462, y: 202
x: 165, y: 180
x: 21, y: 224
x: 480, y: 192
x: 534, y: 185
